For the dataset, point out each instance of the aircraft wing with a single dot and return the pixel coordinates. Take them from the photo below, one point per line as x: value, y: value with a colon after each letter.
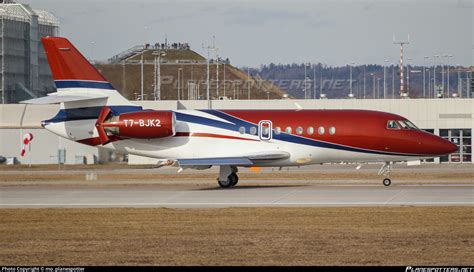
x: 246, y: 160
x: 240, y: 161
x: 268, y: 155
x: 56, y: 99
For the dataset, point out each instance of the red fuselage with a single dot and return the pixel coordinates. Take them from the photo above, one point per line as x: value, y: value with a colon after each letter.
x: 355, y: 128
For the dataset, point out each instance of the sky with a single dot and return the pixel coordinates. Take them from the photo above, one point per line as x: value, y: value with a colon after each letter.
x: 252, y: 33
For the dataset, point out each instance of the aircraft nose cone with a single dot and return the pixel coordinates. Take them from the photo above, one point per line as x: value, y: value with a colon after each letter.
x: 446, y: 147
x: 452, y: 148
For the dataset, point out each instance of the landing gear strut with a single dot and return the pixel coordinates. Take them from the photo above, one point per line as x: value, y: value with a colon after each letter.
x: 385, y: 171
x: 227, y: 176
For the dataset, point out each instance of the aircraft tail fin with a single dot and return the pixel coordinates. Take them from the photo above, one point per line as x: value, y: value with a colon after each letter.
x: 74, y: 74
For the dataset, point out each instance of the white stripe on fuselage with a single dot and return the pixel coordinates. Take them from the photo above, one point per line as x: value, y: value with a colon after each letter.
x: 204, y: 115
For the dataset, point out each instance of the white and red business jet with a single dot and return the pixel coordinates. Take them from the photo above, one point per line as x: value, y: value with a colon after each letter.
x: 92, y: 112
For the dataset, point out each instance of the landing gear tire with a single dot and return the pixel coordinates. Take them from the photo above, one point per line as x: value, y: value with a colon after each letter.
x: 234, y: 178
x: 227, y: 176
x: 231, y: 180
x: 225, y: 183
x: 385, y: 171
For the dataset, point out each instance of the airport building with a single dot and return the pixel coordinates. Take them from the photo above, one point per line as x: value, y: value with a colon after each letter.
x: 452, y: 119
x: 24, y: 70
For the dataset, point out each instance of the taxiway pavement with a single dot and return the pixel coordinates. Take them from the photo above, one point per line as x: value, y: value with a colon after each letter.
x: 243, y: 195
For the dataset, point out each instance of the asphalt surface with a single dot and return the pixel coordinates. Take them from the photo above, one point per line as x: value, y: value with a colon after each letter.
x: 243, y: 195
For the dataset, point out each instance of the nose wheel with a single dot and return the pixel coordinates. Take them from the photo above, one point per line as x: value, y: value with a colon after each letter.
x: 227, y: 176
x: 385, y: 171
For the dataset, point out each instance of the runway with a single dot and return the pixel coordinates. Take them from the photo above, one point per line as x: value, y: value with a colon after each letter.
x: 239, y: 196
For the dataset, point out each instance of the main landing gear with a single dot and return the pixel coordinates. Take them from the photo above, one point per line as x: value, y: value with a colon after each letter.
x: 228, y: 176
x: 385, y: 171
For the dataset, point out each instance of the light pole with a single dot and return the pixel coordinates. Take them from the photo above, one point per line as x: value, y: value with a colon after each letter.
x: 320, y: 81
x: 180, y: 71
x: 141, y: 76
x: 434, y: 75
x: 378, y: 88
x: 424, y: 76
x: 216, y: 49
x: 373, y: 83
x: 248, y: 78
x: 447, y: 72
x: 217, y: 73
x: 351, y: 95
x: 304, y: 82
x: 442, y: 76
x: 429, y: 83
x: 408, y: 75
x: 314, y: 81
x: 124, y: 86
x: 393, y: 80
x: 384, y: 79
x: 459, y: 81
x: 468, y: 84
x: 364, y: 81
x: 158, y: 55
x: 224, y: 79
x: 207, y: 80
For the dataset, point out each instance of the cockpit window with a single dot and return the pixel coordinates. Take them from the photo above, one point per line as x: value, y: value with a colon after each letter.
x: 400, y: 124
x: 410, y: 124
x: 392, y: 125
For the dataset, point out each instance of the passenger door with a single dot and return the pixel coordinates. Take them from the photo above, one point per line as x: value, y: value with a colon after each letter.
x: 265, y: 130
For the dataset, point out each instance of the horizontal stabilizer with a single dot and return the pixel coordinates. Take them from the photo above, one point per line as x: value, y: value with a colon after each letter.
x: 56, y: 99
x: 237, y: 161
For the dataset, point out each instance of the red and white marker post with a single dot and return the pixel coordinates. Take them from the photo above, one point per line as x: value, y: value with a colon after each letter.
x: 27, y: 138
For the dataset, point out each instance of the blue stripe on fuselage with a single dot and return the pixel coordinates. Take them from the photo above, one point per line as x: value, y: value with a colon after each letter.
x: 63, y: 84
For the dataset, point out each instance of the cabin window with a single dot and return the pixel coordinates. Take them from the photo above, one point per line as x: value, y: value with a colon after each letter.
x: 242, y: 130
x: 253, y: 130
x: 310, y: 130
x: 288, y: 130
x: 299, y: 130
x: 332, y: 130
x: 321, y: 130
x: 277, y: 130
x: 392, y: 125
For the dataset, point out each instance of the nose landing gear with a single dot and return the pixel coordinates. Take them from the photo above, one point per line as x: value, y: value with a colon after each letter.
x: 386, y: 182
x: 228, y: 176
x: 385, y: 171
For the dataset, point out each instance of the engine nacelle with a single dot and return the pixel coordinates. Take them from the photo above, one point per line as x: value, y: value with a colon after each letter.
x: 138, y: 125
